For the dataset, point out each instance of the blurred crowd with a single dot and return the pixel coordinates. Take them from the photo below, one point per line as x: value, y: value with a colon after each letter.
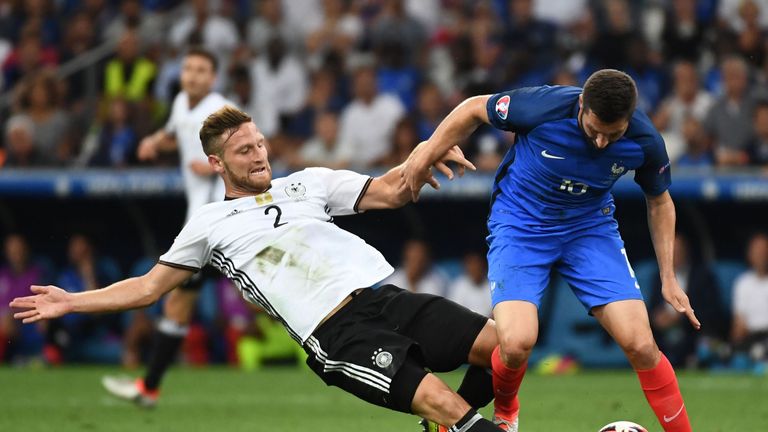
x: 360, y: 82
x: 227, y: 330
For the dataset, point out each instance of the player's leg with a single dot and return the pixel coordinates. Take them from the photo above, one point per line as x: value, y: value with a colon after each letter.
x: 596, y: 266
x: 435, y: 401
x: 519, y: 263
x: 171, y: 331
x: 627, y: 321
x: 169, y: 335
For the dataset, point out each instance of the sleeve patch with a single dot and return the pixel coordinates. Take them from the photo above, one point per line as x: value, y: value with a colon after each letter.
x: 502, y: 107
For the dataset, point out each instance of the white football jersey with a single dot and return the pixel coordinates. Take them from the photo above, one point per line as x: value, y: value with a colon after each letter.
x: 282, y: 249
x: 185, y: 124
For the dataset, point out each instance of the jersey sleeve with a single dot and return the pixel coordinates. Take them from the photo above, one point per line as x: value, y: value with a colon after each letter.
x: 190, y: 250
x: 521, y: 110
x: 654, y: 176
x: 344, y: 189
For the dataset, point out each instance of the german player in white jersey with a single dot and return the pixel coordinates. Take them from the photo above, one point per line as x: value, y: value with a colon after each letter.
x: 277, y: 242
x: 191, y: 106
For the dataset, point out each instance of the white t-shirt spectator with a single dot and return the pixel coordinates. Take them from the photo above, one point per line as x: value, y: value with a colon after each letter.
x: 750, y: 301
x: 366, y: 130
x: 476, y: 297
x: 285, y: 88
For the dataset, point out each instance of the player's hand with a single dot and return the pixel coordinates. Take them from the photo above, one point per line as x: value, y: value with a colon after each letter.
x: 147, y: 149
x: 416, y: 171
x: 675, y: 296
x: 48, y: 302
x: 455, y: 155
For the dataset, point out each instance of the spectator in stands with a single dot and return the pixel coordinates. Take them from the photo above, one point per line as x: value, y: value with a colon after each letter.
x: 758, y: 149
x: 40, y: 14
x: 29, y: 56
x: 85, y: 337
x: 339, y: 32
x: 79, y: 37
x: 39, y: 99
x: 649, y: 78
x: 394, y: 26
x: 751, y: 37
x: 268, y: 24
x: 320, y: 150
x: 216, y: 33
x: 404, y: 141
x: 683, y: 33
x: 472, y: 289
x: 416, y: 273
x: 368, y: 122
x: 279, y: 79
x: 148, y: 25
x: 430, y: 110
x: 675, y: 337
x: 611, y: 47
x: 129, y: 75
x: 698, y: 148
x: 16, y: 276
x: 729, y: 121
x: 242, y: 93
x: 750, y: 302
x: 116, y: 138
x: 326, y: 93
x: 20, y: 150
x: 688, y: 100
x: 530, y: 43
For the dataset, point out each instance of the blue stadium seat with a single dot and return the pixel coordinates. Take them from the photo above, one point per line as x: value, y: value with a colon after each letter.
x: 646, y: 273
x: 726, y: 272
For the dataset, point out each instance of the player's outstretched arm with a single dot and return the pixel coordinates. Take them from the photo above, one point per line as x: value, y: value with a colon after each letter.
x: 50, y: 302
x: 453, y: 130
x: 661, y: 222
x: 388, y: 191
x: 151, y: 145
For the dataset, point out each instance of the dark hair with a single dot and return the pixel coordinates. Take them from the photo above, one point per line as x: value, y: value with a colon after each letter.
x: 225, y: 120
x: 202, y: 52
x: 611, y: 95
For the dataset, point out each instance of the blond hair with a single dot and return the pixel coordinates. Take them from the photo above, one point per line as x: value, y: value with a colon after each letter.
x: 223, y: 122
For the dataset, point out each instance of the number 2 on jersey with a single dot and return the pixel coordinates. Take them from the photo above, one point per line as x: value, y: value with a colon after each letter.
x: 277, y: 218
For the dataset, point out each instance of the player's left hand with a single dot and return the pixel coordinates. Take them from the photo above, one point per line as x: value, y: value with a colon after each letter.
x: 675, y: 296
x: 47, y: 303
x: 201, y: 168
x: 416, y: 171
x: 455, y: 155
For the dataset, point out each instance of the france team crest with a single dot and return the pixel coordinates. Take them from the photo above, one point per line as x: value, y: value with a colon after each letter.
x: 502, y: 107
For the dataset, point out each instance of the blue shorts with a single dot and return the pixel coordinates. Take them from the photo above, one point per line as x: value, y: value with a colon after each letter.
x: 592, y: 259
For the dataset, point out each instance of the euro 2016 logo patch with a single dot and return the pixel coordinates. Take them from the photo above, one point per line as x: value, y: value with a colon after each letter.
x: 502, y: 107
x: 381, y: 358
x: 296, y: 191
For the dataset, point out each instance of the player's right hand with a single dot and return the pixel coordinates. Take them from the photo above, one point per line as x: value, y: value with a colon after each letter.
x: 147, y: 149
x: 48, y: 302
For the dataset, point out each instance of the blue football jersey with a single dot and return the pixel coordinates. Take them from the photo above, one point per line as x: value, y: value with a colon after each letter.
x: 553, y: 174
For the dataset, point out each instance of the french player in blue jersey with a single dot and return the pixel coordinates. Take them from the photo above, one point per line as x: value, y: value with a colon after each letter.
x: 551, y: 208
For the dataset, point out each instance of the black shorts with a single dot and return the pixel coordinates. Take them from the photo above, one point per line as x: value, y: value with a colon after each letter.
x: 383, y: 342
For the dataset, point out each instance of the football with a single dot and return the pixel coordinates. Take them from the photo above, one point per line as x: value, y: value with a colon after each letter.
x: 623, y: 426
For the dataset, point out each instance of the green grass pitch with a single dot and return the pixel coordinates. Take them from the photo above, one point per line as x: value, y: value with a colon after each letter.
x: 290, y: 400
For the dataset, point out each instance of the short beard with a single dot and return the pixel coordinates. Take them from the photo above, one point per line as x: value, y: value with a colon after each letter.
x: 244, y: 183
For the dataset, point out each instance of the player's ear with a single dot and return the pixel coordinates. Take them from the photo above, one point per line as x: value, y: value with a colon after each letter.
x: 581, y: 101
x: 216, y: 163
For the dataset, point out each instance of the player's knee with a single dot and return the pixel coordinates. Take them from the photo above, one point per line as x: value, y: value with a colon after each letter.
x: 516, y: 349
x: 640, y: 349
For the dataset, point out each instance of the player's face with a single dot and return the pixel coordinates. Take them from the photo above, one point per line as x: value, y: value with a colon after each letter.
x: 599, y: 133
x: 244, y: 162
x: 197, y: 76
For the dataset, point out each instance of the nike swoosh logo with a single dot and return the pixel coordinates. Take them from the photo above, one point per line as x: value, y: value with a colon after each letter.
x: 550, y: 156
x: 669, y: 419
